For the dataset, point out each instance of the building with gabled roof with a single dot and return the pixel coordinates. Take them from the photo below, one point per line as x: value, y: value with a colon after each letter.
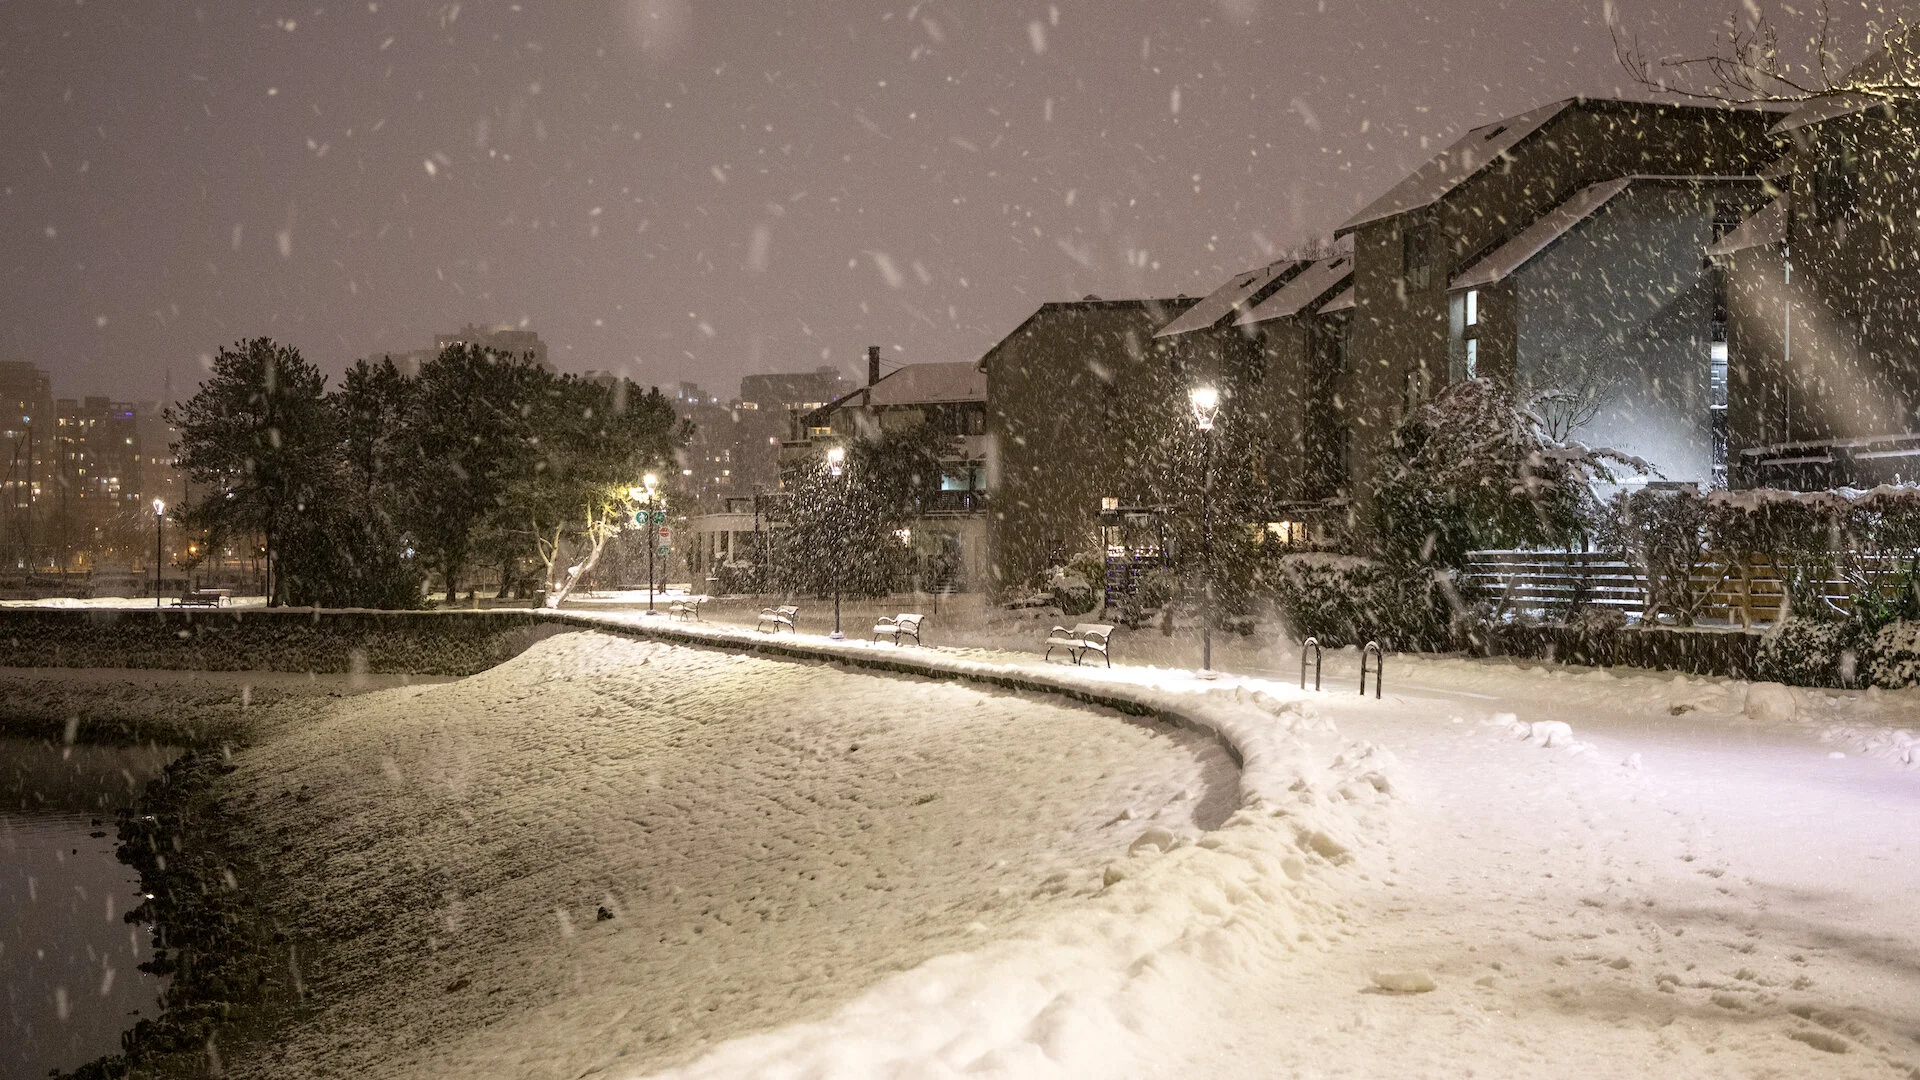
x: 1822, y: 325
x: 1478, y: 195
x: 949, y: 540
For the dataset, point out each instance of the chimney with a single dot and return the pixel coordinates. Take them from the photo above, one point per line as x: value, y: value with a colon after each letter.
x: 873, y: 364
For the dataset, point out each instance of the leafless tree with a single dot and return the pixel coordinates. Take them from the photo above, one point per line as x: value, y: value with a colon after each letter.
x: 1568, y: 395
x: 1748, y: 64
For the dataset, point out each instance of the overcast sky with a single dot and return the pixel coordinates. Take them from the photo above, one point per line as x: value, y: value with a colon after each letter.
x: 701, y: 190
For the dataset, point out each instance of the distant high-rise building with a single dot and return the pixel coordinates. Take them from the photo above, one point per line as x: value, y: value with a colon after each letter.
x: 804, y: 390
x: 506, y: 339
x: 27, y: 427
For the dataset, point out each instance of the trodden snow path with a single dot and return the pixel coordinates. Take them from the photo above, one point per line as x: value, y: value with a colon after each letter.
x: 1691, y: 885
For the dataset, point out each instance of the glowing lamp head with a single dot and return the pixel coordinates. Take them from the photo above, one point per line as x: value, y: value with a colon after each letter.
x: 836, y: 460
x: 1206, y: 405
x: 159, y: 507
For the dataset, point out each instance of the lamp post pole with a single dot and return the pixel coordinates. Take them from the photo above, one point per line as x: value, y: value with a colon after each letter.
x: 652, y: 482
x: 836, y: 467
x: 1206, y: 406
x: 159, y: 523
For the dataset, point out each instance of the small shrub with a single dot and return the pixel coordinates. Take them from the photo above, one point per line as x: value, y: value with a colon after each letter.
x: 1071, y: 591
x: 1596, y: 620
x: 1800, y: 651
x: 1342, y: 600
x: 1891, y: 658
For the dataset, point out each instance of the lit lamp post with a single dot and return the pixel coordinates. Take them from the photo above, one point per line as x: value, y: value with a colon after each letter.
x: 159, y: 523
x: 646, y: 497
x: 1206, y: 405
x: 836, y: 468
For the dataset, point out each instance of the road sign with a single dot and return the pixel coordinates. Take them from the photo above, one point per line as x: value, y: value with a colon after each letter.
x: 659, y: 517
x: 666, y: 534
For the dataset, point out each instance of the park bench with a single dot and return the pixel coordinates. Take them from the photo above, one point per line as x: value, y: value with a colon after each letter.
x: 688, y: 609
x: 1081, y: 640
x: 773, y: 618
x: 202, y: 597
x: 899, y: 626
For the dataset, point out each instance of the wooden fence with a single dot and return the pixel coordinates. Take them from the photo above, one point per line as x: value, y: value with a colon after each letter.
x: 1550, y: 582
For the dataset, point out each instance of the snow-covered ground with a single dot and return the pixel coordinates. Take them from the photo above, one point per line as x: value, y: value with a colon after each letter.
x: 770, y: 839
x: 1693, y: 877
x: 1609, y: 873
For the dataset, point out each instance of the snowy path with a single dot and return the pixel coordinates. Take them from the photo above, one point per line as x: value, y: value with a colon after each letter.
x: 1695, y: 895
x: 769, y: 837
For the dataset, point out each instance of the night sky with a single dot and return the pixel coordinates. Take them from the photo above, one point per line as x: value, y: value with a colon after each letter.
x: 701, y: 190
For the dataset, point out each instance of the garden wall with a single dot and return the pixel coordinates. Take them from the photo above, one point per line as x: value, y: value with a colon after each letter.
x: 280, y: 639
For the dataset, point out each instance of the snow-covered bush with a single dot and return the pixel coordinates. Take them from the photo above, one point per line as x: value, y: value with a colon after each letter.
x: 1475, y: 470
x: 1071, y: 591
x: 1344, y: 600
x: 1595, y: 620
x: 1801, y: 651
x: 1891, y: 658
x: 1671, y: 536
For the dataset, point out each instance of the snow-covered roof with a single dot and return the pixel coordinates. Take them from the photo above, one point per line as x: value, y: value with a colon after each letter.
x: 1878, y: 65
x: 1343, y: 302
x: 1826, y: 108
x: 1467, y: 156
x: 925, y: 384
x: 1535, y: 238
x: 1306, y: 287
x: 1227, y: 299
x: 1765, y: 228
x: 1558, y: 222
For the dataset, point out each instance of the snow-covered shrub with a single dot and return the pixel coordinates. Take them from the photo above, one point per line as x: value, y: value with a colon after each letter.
x: 1596, y: 620
x: 1891, y: 658
x: 1071, y: 591
x: 1473, y: 469
x: 1801, y: 651
x: 1344, y: 600
x: 1671, y: 536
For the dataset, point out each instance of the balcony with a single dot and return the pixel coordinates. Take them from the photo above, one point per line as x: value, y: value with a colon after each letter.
x: 938, y: 503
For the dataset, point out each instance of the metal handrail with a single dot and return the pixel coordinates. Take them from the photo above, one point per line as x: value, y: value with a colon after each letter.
x: 1314, y: 644
x: 1379, y: 668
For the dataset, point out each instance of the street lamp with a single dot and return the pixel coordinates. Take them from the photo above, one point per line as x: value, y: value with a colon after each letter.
x: 836, y: 467
x: 1206, y: 406
x: 159, y: 523
x: 646, y: 497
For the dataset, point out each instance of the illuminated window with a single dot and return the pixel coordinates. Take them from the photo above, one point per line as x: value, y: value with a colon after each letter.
x: 1473, y: 358
x: 1473, y: 307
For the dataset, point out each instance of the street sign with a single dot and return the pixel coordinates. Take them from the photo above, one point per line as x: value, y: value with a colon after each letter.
x: 639, y: 517
x: 659, y: 517
x: 666, y: 534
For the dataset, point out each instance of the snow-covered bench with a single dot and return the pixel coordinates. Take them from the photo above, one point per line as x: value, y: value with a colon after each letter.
x: 903, y: 625
x: 686, y: 609
x: 202, y: 597
x: 773, y: 618
x: 1081, y: 640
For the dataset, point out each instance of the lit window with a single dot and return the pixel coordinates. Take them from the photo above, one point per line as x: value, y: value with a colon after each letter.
x: 1109, y: 503
x: 1473, y: 358
x: 1473, y: 307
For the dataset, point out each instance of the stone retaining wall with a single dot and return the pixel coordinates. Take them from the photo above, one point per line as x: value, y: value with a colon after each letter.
x: 280, y: 639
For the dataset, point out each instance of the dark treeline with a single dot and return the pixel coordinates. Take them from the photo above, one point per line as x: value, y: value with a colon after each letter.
x: 363, y: 494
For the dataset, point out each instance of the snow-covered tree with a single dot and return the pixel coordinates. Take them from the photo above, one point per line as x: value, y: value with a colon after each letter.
x: 1473, y: 469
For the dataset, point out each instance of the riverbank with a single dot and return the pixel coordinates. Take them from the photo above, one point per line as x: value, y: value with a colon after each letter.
x: 215, y: 945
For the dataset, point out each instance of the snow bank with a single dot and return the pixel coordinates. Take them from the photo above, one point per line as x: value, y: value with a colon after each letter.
x: 1117, y: 979
x: 767, y: 840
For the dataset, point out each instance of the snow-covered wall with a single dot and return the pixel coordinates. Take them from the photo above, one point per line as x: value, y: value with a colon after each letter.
x: 281, y: 639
